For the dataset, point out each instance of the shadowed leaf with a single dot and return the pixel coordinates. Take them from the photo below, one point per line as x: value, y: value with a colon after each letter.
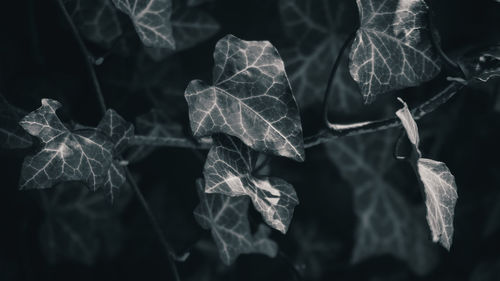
x: 228, y: 170
x: 481, y: 65
x: 151, y: 19
x: 393, y: 48
x: 250, y: 99
x: 226, y: 217
x: 11, y: 134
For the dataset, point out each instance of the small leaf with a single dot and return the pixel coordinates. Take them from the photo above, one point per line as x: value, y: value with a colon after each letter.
x: 439, y: 185
x: 84, y: 155
x: 251, y: 99
x: 11, y: 134
x: 227, y: 218
x: 441, y: 197
x: 481, y: 65
x: 393, y: 48
x: 228, y: 170
x: 151, y: 19
x: 80, y: 226
x: 120, y: 132
x: 96, y: 19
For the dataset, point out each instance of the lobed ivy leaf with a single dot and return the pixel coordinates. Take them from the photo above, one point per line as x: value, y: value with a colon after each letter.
x: 79, y: 225
x: 250, y: 98
x: 11, y: 134
x: 120, y: 132
x: 315, y: 28
x: 439, y: 185
x: 96, y: 19
x: 83, y: 155
x: 481, y: 65
x: 227, y: 218
x: 228, y: 170
x: 190, y: 26
x: 393, y: 48
x: 151, y: 19
x: 387, y: 223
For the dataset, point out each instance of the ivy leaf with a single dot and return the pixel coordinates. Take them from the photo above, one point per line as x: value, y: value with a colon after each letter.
x: 11, y: 134
x: 120, y: 132
x: 151, y: 19
x: 83, y: 155
x: 251, y: 99
x: 96, y: 19
x: 481, y: 65
x: 193, y: 3
x: 227, y: 218
x: 190, y: 26
x: 439, y: 185
x: 228, y: 170
x: 79, y: 225
x: 315, y: 28
x: 393, y: 48
x: 387, y: 223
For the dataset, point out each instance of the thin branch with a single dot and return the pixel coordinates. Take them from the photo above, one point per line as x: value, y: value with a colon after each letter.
x: 170, y: 142
x: 332, y: 75
x: 87, y: 54
x: 156, y: 225
x: 340, y: 130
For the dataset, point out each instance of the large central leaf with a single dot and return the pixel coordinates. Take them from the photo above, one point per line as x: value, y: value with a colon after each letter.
x: 393, y: 47
x: 250, y: 98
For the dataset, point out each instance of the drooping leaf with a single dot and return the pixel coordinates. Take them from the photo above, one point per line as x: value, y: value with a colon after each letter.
x: 387, y: 223
x: 439, y: 186
x: 250, y: 98
x: 151, y: 19
x: 11, y: 134
x: 190, y: 26
x: 80, y: 226
x: 227, y: 219
x: 481, y: 65
x: 96, y: 19
x: 228, y: 170
x: 83, y: 155
x: 393, y: 48
x: 315, y: 28
x: 120, y: 132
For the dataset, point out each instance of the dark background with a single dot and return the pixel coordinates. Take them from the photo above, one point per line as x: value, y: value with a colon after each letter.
x: 39, y: 58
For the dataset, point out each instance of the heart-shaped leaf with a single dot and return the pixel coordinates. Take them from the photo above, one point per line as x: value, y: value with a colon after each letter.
x: 393, y: 48
x: 151, y: 19
x: 84, y: 155
x: 228, y: 170
x: 227, y: 218
x: 250, y: 98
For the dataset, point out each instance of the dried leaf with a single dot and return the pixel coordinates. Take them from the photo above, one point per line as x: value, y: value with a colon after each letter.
x: 250, y: 99
x: 228, y: 170
x: 439, y: 185
x: 227, y: 219
x: 151, y: 19
x: 393, y: 48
